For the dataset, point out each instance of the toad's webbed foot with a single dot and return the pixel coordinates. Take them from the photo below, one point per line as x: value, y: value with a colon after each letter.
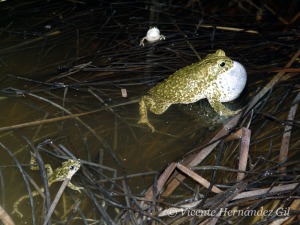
x: 221, y: 109
x: 144, y: 115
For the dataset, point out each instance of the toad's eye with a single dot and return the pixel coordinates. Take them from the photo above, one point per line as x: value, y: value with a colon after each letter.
x: 72, y: 167
x: 222, y: 64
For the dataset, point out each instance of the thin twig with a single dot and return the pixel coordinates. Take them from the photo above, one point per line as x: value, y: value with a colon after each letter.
x: 56, y: 199
x: 56, y: 119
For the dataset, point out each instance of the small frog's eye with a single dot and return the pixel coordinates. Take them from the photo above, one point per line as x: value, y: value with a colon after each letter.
x: 222, y: 64
x: 72, y: 167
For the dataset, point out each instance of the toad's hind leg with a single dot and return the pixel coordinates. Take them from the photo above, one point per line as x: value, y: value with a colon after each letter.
x: 16, y: 204
x: 144, y: 114
x: 153, y: 106
x: 33, y: 166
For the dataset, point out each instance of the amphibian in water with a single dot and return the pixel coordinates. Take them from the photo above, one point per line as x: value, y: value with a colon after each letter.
x: 153, y: 35
x: 216, y: 77
x: 67, y: 170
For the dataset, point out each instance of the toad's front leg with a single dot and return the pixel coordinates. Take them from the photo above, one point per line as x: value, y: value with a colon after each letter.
x: 221, y: 109
x: 73, y: 187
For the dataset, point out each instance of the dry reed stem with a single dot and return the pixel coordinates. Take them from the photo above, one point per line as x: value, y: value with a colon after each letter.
x: 295, y: 18
x: 196, y: 158
x: 61, y: 118
x: 50, y: 34
x: 74, y: 70
x: 205, y: 183
x: 284, y: 150
x: 279, y: 221
x: 229, y: 28
x: 5, y: 218
x: 167, y: 174
x: 269, y: 190
x: 288, y: 220
x: 244, y: 152
x: 161, y: 182
x: 288, y: 70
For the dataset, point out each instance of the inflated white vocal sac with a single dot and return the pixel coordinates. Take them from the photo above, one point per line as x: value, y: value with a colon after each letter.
x: 232, y: 82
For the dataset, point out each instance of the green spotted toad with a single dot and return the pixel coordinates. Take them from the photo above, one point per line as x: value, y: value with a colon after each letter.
x: 216, y: 77
x: 67, y: 170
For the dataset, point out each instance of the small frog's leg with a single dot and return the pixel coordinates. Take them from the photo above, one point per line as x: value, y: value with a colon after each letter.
x: 142, y: 41
x: 162, y: 37
x: 221, y: 109
x: 16, y: 204
x: 49, y: 170
x: 144, y: 114
x: 73, y: 187
x: 34, y: 193
x: 33, y: 163
x: 33, y: 166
